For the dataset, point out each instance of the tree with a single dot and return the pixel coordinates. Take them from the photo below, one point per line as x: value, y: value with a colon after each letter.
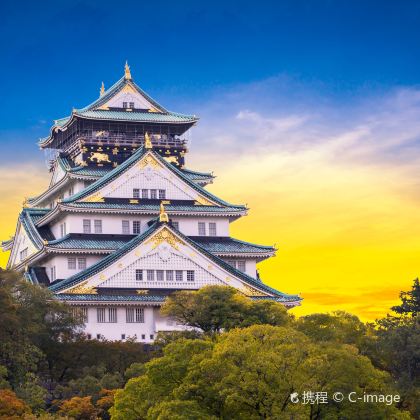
x: 32, y: 392
x: 79, y: 408
x: 250, y: 373
x: 11, y: 407
x: 179, y: 410
x: 213, y: 308
x: 410, y: 301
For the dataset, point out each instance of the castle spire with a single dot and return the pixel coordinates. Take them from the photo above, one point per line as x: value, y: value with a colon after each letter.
x: 102, y: 91
x: 163, y: 216
x: 127, y: 72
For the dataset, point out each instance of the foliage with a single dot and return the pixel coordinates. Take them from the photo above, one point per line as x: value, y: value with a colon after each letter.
x: 250, y: 373
x: 11, y: 407
x: 216, y: 308
x: 32, y: 392
x: 410, y: 301
x: 79, y: 408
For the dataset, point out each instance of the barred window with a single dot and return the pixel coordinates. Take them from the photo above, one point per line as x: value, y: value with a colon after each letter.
x: 169, y: 275
x: 139, y: 275
x: 190, y: 275
x: 80, y: 313
x: 71, y: 263
x: 160, y: 275
x: 162, y: 194
x: 133, y: 314
x: 63, y: 229
x: 136, y: 227
x: 23, y: 254
x: 112, y: 314
x: 150, y: 275
x: 97, y: 226
x: 52, y: 273
x: 153, y: 194
x: 178, y: 275
x: 126, y: 227
x: 212, y: 229
x: 175, y: 225
x: 232, y: 263
x: 125, y: 105
x: 131, y: 104
x: 81, y: 263
x: 241, y: 265
x: 71, y: 191
x: 144, y: 193
x: 201, y: 229
x: 86, y: 226
x: 100, y: 314
x: 136, y: 193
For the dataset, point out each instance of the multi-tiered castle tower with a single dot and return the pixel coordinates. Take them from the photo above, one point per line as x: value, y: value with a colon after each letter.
x: 123, y: 223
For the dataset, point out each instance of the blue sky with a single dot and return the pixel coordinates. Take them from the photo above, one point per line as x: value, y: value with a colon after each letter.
x: 54, y: 54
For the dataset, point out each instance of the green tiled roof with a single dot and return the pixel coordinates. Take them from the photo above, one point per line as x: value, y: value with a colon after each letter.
x: 80, y: 241
x: 28, y: 218
x: 154, y: 208
x: 215, y: 245
x: 105, y: 262
x: 111, y: 298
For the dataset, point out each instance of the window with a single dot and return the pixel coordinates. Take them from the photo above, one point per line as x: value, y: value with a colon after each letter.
x: 134, y: 315
x: 52, y: 273
x: 71, y: 263
x: 232, y: 263
x: 150, y: 275
x: 131, y: 104
x: 152, y: 336
x: 162, y: 194
x: 98, y: 336
x: 80, y: 313
x: 81, y: 263
x: 178, y: 275
x: 190, y: 275
x: 98, y: 226
x: 136, y: 227
x: 139, y: 275
x: 144, y: 193
x: 126, y: 227
x: 86, y: 226
x: 125, y: 105
x: 136, y: 193
x: 122, y: 336
x: 212, y: 229
x: 201, y: 229
x: 240, y: 265
x: 71, y: 191
x: 86, y: 183
x: 100, y: 314
x: 63, y: 229
x: 159, y: 275
x: 175, y: 225
x: 112, y: 314
x: 89, y: 336
x: 169, y: 275
x: 153, y: 194
x: 23, y: 254
x: 143, y: 337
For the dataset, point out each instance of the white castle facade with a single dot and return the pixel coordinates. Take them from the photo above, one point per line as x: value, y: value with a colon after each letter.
x: 123, y: 223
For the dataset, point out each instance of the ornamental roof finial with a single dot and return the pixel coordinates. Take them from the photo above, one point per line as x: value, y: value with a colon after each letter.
x: 127, y: 72
x: 147, y: 142
x: 102, y: 91
x: 163, y: 217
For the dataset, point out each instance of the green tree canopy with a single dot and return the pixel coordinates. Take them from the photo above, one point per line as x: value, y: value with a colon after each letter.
x: 216, y: 308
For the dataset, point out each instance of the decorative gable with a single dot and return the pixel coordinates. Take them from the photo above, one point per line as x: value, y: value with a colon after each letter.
x: 23, y: 248
x: 150, y: 174
x: 129, y: 95
x: 146, y: 266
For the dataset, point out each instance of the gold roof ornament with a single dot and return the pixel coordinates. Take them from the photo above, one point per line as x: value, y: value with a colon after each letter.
x: 102, y: 91
x: 127, y: 72
x: 147, y: 142
x: 163, y: 216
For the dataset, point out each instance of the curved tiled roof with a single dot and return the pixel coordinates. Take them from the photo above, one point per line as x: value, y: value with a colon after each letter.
x: 105, y: 262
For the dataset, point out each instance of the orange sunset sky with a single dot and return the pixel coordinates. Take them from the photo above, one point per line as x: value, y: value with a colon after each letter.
x: 336, y: 189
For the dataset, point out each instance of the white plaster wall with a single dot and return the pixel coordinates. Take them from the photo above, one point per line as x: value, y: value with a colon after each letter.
x: 113, y: 331
x: 20, y: 243
x: 112, y: 224
x: 61, y: 264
